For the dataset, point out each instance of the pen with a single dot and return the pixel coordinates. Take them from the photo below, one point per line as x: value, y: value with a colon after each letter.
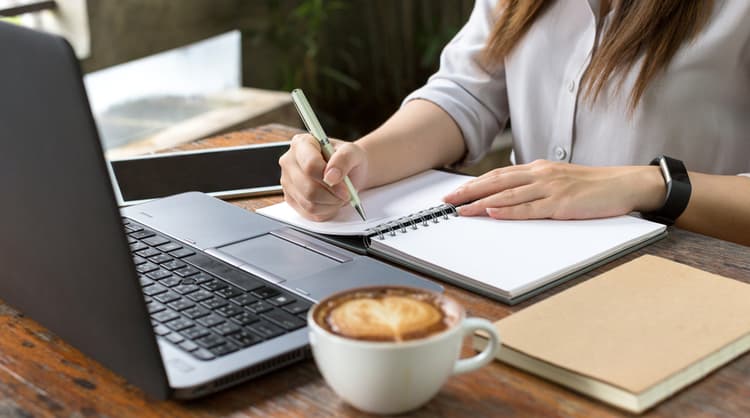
x: 313, y: 126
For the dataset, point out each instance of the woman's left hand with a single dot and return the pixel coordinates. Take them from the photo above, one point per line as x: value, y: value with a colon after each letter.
x: 544, y: 189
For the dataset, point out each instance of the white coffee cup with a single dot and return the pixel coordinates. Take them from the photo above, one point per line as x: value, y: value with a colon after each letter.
x: 394, y: 377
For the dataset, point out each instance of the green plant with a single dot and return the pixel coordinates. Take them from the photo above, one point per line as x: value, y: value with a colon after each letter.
x: 355, y: 59
x: 300, y: 33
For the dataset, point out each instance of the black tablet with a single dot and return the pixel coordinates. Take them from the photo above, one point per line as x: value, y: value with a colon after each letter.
x: 222, y: 172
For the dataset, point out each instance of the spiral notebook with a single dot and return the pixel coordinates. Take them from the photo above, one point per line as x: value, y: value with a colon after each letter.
x: 507, y: 260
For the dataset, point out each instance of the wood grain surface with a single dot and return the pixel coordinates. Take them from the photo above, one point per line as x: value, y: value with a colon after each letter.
x: 41, y: 375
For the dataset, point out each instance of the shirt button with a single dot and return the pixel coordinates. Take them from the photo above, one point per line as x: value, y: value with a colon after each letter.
x: 571, y: 86
x: 560, y: 153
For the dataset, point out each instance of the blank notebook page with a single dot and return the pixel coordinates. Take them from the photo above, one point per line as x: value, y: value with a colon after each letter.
x: 515, y: 256
x: 382, y: 204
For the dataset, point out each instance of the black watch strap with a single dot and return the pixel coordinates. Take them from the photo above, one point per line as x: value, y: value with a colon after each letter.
x: 678, y: 190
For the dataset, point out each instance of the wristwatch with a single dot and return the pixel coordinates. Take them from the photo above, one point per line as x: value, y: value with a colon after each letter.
x: 678, y: 190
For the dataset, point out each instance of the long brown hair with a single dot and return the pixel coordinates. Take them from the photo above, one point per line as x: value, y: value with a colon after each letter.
x: 653, y: 28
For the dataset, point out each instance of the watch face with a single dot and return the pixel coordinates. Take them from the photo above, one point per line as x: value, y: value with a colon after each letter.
x: 665, y: 170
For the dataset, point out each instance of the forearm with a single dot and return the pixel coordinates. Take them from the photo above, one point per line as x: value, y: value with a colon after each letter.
x: 719, y: 206
x: 419, y: 136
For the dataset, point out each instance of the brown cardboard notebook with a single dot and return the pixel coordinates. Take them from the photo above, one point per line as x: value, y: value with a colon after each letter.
x: 633, y: 335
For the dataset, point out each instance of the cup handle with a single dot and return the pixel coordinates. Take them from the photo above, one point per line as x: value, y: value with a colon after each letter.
x: 488, y: 354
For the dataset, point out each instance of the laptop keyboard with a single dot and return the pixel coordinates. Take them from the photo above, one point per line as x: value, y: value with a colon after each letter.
x: 203, y: 306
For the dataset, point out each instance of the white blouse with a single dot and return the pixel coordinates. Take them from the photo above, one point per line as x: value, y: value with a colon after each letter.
x: 697, y: 111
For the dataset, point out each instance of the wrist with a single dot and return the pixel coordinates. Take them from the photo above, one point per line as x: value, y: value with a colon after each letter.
x: 649, y: 190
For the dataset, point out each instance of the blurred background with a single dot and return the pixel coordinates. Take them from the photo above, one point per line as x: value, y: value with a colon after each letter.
x: 355, y: 59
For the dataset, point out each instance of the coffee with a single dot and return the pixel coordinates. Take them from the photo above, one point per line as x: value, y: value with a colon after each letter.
x: 392, y: 314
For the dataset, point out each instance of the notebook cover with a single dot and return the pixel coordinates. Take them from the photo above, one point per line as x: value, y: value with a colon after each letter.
x: 635, y: 325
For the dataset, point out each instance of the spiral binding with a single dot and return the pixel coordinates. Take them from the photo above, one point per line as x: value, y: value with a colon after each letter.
x: 413, y: 221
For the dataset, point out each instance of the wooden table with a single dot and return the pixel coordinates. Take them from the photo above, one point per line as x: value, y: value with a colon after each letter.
x: 41, y: 375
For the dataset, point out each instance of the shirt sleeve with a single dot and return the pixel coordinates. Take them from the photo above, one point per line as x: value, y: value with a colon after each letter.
x: 474, y: 96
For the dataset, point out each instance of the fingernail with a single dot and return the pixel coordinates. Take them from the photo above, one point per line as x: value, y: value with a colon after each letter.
x: 332, y: 176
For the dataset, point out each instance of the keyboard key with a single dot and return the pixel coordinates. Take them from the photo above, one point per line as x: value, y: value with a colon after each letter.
x: 214, y: 285
x: 154, y: 290
x: 173, y: 265
x: 132, y: 240
x: 180, y: 324
x: 244, y: 299
x: 154, y: 307
x: 148, y: 252
x: 238, y: 278
x: 281, y: 300
x: 170, y: 246
x: 223, y: 349
x: 265, y: 292
x: 146, y: 267
x: 245, y: 318
x: 210, y: 340
x: 181, y: 304
x: 245, y: 338
x: 229, y: 292
x: 188, y: 345
x: 298, y: 307
x: 165, y: 316
x: 194, y: 332
x: 175, y: 337
x: 137, y: 246
x: 214, y: 303
x: 202, y: 277
x: 185, y: 288
x: 210, y: 320
x: 284, y: 319
x: 186, y: 271
x: 229, y: 311
x: 145, y: 281
x: 137, y: 260
x: 170, y: 281
x: 161, y: 330
x: 203, y: 354
x: 155, y: 241
x: 200, y: 295
x: 226, y: 328
x: 160, y: 258
x: 195, y: 312
x: 167, y: 297
x: 182, y: 252
x: 259, y: 306
x: 142, y: 234
x: 159, y: 274
x: 266, y: 329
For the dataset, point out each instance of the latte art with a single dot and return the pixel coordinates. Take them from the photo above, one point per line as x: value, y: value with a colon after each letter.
x: 384, y: 315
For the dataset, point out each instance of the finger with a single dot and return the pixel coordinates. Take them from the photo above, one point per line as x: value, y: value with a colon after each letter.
x: 308, y: 155
x: 309, y: 192
x: 487, y: 185
x: 537, y: 209
x: 346, y: 157
x: 313, y: 212
x: 508, y: 197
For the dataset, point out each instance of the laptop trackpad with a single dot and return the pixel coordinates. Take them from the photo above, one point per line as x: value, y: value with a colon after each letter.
x: 279, y: 257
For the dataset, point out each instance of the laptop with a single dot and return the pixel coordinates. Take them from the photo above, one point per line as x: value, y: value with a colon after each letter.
x: 182, y: 296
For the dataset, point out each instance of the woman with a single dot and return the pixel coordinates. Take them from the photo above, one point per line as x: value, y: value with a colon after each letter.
x: 595, y: 90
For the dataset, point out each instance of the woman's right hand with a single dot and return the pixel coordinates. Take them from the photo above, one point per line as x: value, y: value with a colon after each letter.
x: 314, y: 187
